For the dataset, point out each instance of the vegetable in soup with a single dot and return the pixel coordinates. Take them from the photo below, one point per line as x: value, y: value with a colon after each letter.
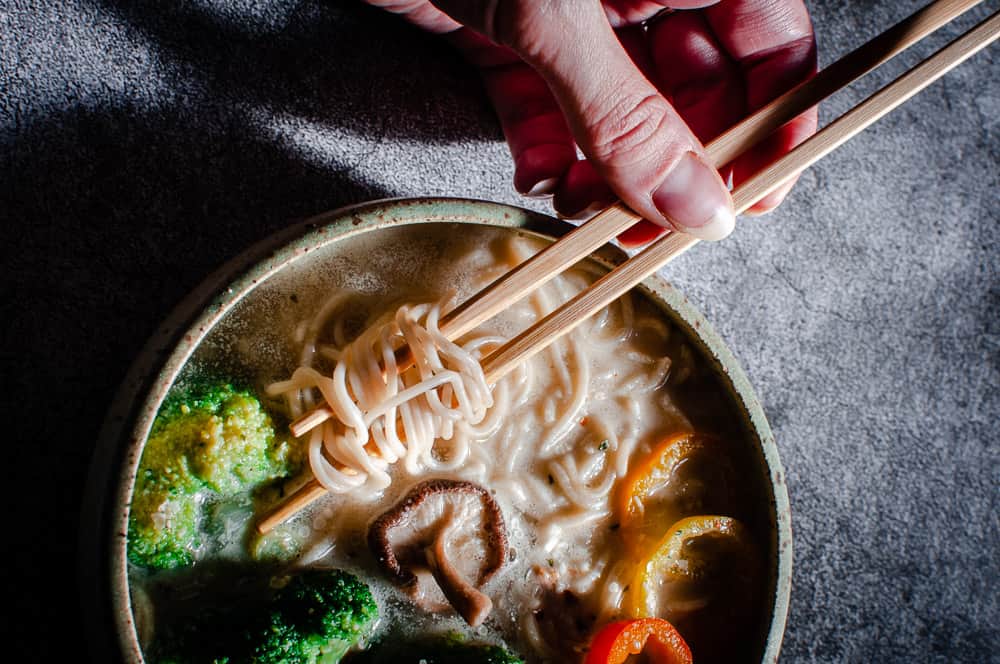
x: 604, y: 485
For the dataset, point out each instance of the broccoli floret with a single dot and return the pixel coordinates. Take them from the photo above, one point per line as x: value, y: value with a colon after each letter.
x: 207, y: 444
x: 449, y: 649
x: 316, y: 618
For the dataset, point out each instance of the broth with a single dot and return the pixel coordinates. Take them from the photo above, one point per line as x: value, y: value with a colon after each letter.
x: 585, y: 414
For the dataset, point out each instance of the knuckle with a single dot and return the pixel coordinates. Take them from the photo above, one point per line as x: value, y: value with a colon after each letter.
x: 626, y: 130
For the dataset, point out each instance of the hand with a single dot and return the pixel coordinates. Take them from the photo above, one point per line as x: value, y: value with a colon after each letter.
x: 568, y: 73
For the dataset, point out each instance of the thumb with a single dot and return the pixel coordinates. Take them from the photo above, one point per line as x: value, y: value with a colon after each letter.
x: 630, y: 133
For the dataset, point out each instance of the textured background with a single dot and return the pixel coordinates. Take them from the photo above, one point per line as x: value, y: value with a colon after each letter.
x: 145, y: 143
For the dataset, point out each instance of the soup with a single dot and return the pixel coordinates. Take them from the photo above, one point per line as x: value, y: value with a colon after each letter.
x: 607, y: 481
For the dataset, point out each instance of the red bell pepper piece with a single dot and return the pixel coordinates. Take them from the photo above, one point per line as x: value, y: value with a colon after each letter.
x: 654, y: 636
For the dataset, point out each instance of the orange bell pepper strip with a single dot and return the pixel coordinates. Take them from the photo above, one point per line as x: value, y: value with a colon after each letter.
x: 655, y: 636
x: 642, y: 518
x: 673, y: 560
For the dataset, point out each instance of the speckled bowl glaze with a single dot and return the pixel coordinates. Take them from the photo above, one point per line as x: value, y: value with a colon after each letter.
x: 107, y: 608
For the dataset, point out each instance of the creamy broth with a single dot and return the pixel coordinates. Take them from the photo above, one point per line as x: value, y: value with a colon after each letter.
x: 572, y: 423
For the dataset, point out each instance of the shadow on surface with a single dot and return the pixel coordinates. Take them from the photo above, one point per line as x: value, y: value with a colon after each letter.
x: 336, y: 63
x: 114, y: 210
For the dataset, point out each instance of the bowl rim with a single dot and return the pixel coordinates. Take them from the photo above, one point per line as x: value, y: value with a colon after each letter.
x: 103, y: 580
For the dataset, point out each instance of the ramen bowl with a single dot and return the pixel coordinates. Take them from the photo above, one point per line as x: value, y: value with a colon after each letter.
x: 337, y: 247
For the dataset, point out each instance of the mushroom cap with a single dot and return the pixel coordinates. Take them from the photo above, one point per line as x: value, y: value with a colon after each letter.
x: 399, y: 536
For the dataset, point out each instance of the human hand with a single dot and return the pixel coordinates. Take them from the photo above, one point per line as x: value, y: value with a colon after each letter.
x: 637, y: 98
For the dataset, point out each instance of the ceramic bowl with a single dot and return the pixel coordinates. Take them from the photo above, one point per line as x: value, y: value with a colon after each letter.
x: 105, y: 590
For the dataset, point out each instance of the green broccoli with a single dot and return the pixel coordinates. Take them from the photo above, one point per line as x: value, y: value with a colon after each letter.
x: 449, y: 649
x: 210, y: 443
x: 314, y: 619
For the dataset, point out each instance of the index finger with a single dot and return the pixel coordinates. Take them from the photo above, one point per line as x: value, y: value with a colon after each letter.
x: 772, y: 40
x: 773, y: 43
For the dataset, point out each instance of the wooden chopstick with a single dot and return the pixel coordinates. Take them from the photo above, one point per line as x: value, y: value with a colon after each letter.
x: 606, y: 225
x: 627, y: 275
x: 610, y: 222
x: 511, y: 286
x: 835, y: 76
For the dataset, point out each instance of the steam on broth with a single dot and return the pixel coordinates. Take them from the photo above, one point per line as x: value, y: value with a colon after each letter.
x: 592, y: 452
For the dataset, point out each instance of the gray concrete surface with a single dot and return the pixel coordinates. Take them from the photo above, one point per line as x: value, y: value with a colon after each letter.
x: 145, y: 143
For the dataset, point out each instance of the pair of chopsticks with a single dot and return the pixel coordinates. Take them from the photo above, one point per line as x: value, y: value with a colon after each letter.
x: 606, y: 225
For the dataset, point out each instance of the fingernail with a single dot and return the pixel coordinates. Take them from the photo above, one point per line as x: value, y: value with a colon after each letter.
x: 585, y: 213
x: 543, y: 188
x: 694, y: 200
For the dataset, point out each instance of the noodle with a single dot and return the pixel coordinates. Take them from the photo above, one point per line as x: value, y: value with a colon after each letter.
x: 444, y: 396
x: 551, y: 443
x: 540, y: 438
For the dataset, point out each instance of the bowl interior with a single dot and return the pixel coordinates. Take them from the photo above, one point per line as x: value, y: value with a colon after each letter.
x: 343, y: 249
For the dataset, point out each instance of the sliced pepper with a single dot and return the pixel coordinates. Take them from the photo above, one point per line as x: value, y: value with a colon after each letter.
x: 642, y: 515
x: 688, y: 553
x: 654, y: 636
